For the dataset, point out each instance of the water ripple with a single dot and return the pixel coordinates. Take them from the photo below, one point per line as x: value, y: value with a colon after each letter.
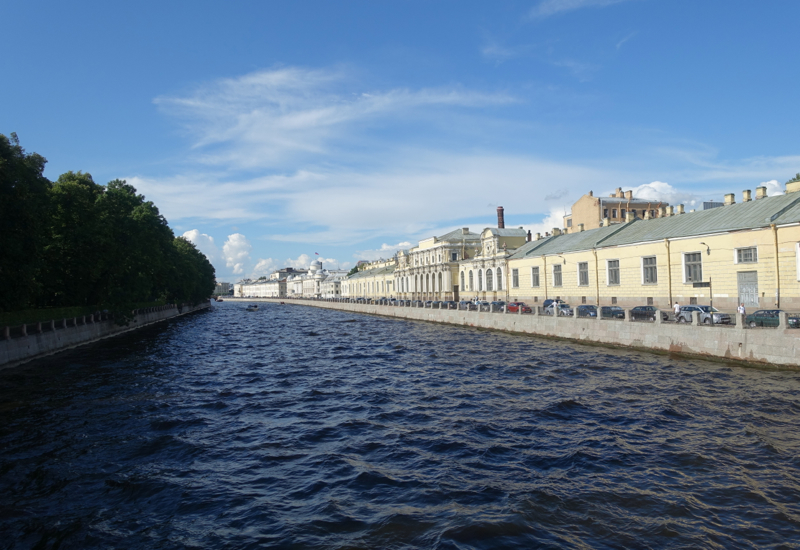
x: 295, y: 427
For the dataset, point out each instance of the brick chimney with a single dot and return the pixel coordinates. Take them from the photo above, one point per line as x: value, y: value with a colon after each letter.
x: 730, y: 198
x: 761, y: 192
x: 529, y: 235
x: 501, y: 223
x: 629, y: 195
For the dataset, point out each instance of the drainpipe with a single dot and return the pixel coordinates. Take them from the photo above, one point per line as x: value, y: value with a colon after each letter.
x: 596, y: 278
x: 544, y: 276
x: 777, y: 267
x: 669, y: 272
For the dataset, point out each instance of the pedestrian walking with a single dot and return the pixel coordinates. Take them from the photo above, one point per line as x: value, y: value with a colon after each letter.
x: 676, y: 309
x: 741, y: 309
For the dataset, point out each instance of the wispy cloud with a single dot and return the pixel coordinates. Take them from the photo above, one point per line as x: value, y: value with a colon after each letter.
x: 267, y: 117
x: 546, y: 8
x: 628, y: 37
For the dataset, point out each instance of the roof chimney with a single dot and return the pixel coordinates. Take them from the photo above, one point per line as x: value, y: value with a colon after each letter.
x: 630, y: 216
x: 591, y: 194
x: 556, y: 232
x: 606, y: 222
x: 730, y: 198
x: 538, y: 236
x: 580, y: 227
x: 670, y: 211
x: 619, y: 194
x: 501, y: 223
x: 465, y: 230
x: 647, y: 214
x: 761, y: 192
x: 662, y: 212
x: 792, y: 186
x: 679, y: 209
x: 629, y: 195
x: 529, y: 235
x: 746, y: 196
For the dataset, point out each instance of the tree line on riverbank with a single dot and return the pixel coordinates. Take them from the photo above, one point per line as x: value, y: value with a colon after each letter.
x: 73, y: 242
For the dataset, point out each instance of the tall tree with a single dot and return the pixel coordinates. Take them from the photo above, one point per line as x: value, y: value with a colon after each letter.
x: 23, y: 218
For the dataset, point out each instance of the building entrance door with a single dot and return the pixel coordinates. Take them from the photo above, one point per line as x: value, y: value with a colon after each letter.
x: 748, y: 288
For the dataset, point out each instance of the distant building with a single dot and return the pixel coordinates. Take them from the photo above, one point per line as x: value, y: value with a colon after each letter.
x: 592, y: 212
x: 223, y: 289
x: 708, y: 205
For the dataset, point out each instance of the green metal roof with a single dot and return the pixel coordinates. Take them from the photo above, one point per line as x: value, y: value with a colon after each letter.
x: 373, y: 272
x: 457, y: 235
x: 780, y: 209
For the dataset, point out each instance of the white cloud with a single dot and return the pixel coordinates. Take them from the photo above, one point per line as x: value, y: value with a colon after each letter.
x: 204, y: 243
x: 546, y: 8
x: 386, y: 251
x: 773, y: 187
x: 659, y: 191
x: 266, y: 117
x: 236, y: 252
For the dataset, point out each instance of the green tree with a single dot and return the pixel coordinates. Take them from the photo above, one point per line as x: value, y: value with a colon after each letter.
x: 795, y: 178
x: 23, y: 219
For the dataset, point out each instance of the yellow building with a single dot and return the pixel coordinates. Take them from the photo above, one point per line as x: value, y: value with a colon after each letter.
x: 485, y: 276
x: 747, y: 252
x: 592, y: 212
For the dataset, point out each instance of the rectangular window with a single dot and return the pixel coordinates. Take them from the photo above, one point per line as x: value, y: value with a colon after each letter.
x: 649, y: 271
x: 515, y: 278
x: 569, y: 222
x: 605, y: 212
x: 614, y: 213
x: 557, y: 275
x: 622, y: 213
x: 694, y: 267
x: 583, y: 273
x: 747, y: 255
x: 613, y: 272
x: 534, y: 276
x: 454, y: 256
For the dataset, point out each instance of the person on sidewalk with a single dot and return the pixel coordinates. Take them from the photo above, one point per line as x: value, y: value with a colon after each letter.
x: 677, y: 310
x: 741, y: 309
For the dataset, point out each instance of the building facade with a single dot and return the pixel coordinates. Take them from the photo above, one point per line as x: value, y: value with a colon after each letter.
x: 592, y: 212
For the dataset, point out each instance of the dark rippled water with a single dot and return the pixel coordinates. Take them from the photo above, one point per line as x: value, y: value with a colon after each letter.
x: 296, y: 427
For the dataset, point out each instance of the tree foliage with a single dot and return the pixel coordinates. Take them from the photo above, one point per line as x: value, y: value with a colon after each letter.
x: 73, y: 242
x: 795, y: 178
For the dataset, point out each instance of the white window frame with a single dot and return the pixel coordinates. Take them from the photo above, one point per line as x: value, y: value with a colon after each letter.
x: 515, y: 278
x: 560, y: 275
x: 641, y: 263
x: 683, y: 265
x: 535, y: 269
x: 736, y: 255
x: 608, y: 272
x: 578, y: 274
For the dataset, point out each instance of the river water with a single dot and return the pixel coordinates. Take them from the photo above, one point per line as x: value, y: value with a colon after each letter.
x: 297, y: 427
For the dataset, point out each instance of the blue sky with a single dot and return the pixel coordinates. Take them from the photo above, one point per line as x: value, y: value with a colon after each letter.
x: 270, y: 131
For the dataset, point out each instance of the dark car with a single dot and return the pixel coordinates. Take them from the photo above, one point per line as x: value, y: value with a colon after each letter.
x: 612, y: 312
x: 769, y: 318
x: 587, y: 311
x: 547, y: 303
x: 466, y: 304
x: 498, y: 305
x: 513, y: 307
x: 646, y: 313
x: 708, y: 315
x: 435, y: 304
x: 450, y: 304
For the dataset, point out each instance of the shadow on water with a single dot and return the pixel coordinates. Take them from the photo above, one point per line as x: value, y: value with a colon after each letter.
x: 297, y: 427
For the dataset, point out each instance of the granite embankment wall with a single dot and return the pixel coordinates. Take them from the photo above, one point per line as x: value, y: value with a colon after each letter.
x: 42, y: 339
x: 765, y: 346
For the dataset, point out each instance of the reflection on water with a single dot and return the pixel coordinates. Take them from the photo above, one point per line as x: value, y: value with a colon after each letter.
x: 306, y: 428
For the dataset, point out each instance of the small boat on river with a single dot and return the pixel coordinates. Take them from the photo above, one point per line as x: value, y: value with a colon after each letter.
x: 252, y: 307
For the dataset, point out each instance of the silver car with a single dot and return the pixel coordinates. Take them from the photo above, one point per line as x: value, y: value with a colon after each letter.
x: 708, y: 315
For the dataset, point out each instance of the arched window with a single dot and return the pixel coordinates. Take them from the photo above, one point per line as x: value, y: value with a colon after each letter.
x: 428, y: 282
x: 463, y: 288
x: 499, y: 279
x: 489, y: 279
x: 440, y: 282
x: 416, y: 283
x: 480, y: 279
x: 471, y: 286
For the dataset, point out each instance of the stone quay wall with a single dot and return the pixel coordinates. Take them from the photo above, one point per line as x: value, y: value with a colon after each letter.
x: 43, y: 339
x: 738, y: 343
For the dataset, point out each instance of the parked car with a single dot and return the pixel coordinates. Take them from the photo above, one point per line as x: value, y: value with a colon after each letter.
x: 483, y: 305
x: 450, y: 304
x: 612, y: 312
x: 646, y: 313
x: 563, y: 309
x: 498, y: 305
x: 466, y: 304
x: 769, y: 318
x: 547, y: 303
x: 587, y: 311
x: 708, y: 315
x: 435, y: 304
x: 513, y: 307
